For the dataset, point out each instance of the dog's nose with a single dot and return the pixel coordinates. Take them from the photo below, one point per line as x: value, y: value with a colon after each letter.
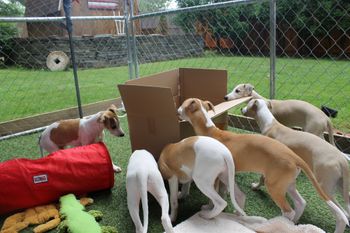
x: 121, y: 135
x: 225, y: 98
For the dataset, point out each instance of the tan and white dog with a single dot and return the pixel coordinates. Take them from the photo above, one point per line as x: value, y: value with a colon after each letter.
x: 291, y: 112
x: 143, y: 176
x: 256, y: 153
x: 203, y: 160
x: 79, y: 132
x: 330, y: 167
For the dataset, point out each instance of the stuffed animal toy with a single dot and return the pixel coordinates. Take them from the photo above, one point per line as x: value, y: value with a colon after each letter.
x: 76, y: 220
x: 47, y: 216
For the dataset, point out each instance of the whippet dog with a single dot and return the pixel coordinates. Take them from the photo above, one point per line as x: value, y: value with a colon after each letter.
x: 80, y: 132
x: 203, y: 160
x: 257, y: 153
x: 330, y: 167
x: 291, y: 112
x: 143, y: 176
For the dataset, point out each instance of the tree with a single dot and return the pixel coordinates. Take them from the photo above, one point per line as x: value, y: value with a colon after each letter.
x: 9, y: 9
x: 152, y: 5
x: 8, y: 30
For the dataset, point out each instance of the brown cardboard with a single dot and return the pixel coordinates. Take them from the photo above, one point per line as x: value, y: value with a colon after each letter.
x: 151, y: 104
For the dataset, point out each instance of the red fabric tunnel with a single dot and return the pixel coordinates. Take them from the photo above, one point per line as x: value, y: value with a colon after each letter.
x: 26, y: 183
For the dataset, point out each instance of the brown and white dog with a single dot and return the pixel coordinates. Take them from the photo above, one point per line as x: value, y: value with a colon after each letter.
x: 291, y: 112
x: 203, y: 160
x: 79, y: 132
x: 330, y: 167
x: 257, y: 153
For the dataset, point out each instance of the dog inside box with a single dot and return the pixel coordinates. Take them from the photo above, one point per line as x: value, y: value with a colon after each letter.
x: 151, y: 104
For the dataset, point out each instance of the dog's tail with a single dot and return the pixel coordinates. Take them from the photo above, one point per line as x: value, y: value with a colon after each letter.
x: 330, y: 132
x: 346, y: 179
x: 144, y: 201
x: 231, y: 181
x: 335, y: 209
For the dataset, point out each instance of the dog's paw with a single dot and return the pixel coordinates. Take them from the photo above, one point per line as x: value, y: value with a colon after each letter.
x: 116, y: 169
x: 255, y: 186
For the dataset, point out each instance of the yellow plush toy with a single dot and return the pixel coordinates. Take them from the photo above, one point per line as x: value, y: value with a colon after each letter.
x: 47, y: 216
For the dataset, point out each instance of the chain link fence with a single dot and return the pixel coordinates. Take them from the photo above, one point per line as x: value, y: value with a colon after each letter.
x: 312, y: 47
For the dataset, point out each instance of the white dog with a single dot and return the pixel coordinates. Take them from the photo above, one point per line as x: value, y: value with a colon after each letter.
x: 142, y: 176
x: 203, y: 160
x: 291, y: 112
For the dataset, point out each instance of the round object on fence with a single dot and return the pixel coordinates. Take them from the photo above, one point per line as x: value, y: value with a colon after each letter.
x: 57, y: 61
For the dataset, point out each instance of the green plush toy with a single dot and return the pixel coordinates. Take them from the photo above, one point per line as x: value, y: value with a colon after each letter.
x: 76, y: 220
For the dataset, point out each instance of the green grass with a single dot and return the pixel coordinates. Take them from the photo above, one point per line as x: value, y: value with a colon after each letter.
x: 29, y: 92
x: 113, y: 203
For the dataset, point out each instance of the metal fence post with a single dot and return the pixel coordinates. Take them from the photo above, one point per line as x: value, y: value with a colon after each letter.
x: 127, y: 20
x: 272, y: 48
x: 69, y: 26
x: 134, y: 48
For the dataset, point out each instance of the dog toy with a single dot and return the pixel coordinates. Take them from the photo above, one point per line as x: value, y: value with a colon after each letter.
x: 76, y: 220
x: 47, y: 216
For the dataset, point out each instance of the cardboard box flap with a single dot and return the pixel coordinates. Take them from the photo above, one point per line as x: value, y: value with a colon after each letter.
x: 152, y: 117
x: 203, y: 84
x: 224, y: 106
x: 147, y: 100
x: 165, y: 79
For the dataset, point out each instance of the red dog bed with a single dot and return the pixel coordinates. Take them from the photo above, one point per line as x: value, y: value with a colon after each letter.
x: 26, y: 183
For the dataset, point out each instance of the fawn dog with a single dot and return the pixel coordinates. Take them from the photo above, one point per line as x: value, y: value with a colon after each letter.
x: 330, y: 167
x: 256, y: 153
x: 291, y: 112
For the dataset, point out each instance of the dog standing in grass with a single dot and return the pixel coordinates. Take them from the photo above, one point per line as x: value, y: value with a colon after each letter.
x: 143, y: 176
x: 80, y: 132
x: 260, y: 154
x: 203, y: 160
x: 327, y: 162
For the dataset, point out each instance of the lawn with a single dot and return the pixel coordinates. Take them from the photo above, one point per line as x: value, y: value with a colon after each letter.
x: 320, y: 82
x: 29, y: 92
x: 113, y: 203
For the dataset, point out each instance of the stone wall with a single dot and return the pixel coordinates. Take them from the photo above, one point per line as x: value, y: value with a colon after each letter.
x: 105, y: 51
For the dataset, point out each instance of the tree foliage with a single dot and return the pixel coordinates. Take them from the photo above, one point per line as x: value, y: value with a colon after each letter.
x: 152, y: 5
x: 315, y: 18
x: 9, y: 9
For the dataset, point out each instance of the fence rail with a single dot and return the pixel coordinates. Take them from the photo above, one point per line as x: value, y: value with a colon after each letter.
x: 286, y: 50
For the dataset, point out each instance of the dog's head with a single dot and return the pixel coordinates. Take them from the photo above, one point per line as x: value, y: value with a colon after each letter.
x: 241, y: 90
x: 110, y: 120
x: 192, y: 107
x: 253, y: 106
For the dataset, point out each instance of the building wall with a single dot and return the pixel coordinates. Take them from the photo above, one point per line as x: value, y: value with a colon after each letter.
x: 106, y: 51
x: 80, y: 28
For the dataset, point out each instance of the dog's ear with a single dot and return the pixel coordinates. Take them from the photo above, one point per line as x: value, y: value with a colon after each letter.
x: 113, y: 108
x: 255, y: 105
x: 102, y: 118
x: 192, y: 106
x: 269, y: 105
x: 208, y: 105
x: 249, y: 87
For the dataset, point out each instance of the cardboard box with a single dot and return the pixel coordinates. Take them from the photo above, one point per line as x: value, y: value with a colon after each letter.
x: 151, y: 104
